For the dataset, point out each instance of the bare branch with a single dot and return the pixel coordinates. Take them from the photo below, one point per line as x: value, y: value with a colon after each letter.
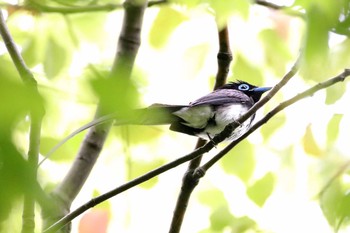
x: 189, y: 182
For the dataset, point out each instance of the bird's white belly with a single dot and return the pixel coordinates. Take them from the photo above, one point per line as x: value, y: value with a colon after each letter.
x: 203, y: 117
x: 224, y: 116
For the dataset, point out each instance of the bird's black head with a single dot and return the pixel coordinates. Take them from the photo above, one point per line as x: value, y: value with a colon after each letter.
x: 250, y: 90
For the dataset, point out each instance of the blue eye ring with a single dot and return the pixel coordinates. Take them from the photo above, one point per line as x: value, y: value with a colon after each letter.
x: 243, y: 87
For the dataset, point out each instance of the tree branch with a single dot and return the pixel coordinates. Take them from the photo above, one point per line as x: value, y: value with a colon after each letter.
x: 189, y: 182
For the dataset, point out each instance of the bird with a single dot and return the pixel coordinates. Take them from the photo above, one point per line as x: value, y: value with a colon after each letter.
x: 205, y: 117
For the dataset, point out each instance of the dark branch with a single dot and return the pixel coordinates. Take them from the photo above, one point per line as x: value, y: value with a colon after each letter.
x: 189, y: 182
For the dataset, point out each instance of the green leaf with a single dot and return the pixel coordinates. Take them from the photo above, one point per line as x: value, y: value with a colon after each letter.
x: 242, y: 224
x: 32, y: 52
x: 272, y: 126
x: 243, y: 70
x: 277, y: 53
x: 220, y: 218
x: 334, y: 93
x: 55, y: 58
x: 262, y: 189
x: 115, y: 93
x: 330, y: 201
x: 194, y: 58
x: 309, y: 143
x: 225, y: 9
x: 17, y: 98
x: 240, y: 161
x: 316, y: 44
x: 212, y: 198
x: 138, y: 134
x: 66, y: 152
x: 167, y: 20
x: 90, y: 27
x: 333, y: 128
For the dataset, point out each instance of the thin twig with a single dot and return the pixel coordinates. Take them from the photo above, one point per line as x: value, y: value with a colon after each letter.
x: 189, y: 182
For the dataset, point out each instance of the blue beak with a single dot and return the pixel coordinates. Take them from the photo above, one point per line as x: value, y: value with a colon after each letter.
x: 261, y: 89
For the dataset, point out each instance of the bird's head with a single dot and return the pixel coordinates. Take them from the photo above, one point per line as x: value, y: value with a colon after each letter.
x: 250, y: 90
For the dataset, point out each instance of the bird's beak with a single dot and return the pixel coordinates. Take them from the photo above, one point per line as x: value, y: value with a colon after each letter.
x: 261, y: 89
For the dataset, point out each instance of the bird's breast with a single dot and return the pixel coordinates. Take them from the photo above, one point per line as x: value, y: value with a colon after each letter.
x: 225, y: 115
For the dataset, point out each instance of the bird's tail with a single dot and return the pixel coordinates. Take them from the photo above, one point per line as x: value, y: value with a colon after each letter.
x: 156, y: 114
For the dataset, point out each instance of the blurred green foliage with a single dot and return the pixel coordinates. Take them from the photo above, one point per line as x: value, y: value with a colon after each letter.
x: 71, y: 56
x: 240, y: 161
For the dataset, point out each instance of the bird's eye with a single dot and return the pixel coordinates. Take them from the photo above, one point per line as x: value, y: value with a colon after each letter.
x: 243, y: 87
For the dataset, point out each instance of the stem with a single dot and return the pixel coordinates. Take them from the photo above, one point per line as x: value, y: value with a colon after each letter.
x: 189, y: 182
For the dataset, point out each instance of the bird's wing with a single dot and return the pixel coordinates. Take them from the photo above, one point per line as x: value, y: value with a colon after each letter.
x: 222, y: 96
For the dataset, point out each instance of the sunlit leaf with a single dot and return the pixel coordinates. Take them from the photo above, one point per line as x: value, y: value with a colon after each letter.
x: 240, y: 161
x: 32, y: 52
x: 89, y: 27
x: 277, y: 53
x: 310, y: 144
x: 344, y: 210
x: 220, y: 218
x: 270, y: 128
x: 243, y: 70
x: 55, y: 58
x: 225, y: 9
x: 15, y: 175
x: 316, y: 45
x: 331, y: 200
x: 115, y: 94
x: 195, y: 58
x: 261, y: 189
x: 138, y: 134
x: 167, y: 20
x: 212, y: 197
x: 333, y: 128
x: 66, y: 152
x: 340, y: 55
x: 334, y: 93
x: 242, y: 224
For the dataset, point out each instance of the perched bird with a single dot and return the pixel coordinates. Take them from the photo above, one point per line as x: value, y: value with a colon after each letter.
x: 205, y: 117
